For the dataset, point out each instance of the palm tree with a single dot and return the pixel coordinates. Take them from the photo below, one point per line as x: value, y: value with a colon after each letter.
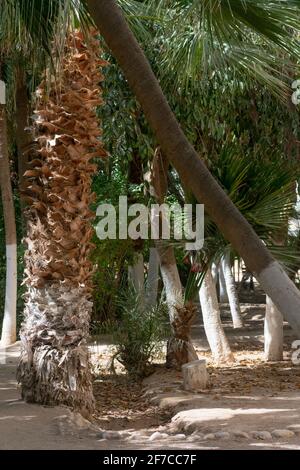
x: 54, y: 366
x: 194, y: 174
x: 180, y: 349
x: 26, y: 31
x: 9, y: 333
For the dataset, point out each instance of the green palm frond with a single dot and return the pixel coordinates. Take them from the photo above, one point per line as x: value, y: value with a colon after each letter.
x: 255, y: 38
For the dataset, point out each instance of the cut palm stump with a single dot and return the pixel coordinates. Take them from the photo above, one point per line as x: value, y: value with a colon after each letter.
x: 194, y: 375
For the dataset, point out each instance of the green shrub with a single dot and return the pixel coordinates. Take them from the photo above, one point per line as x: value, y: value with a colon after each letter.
x: 139, y: 334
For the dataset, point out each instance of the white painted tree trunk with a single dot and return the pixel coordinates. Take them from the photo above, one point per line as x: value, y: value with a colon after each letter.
x: 212, y: 320
x: 180, y: 349
x: 152, y: 280
x: 9, y: 320
x: 136, y: 275
x: 9, y: 325
x: 285, y: 295
x: 231, y: 292
x: 222, y: 286
x: 273, y: 332
x: 214, y: 273
x: 171, y: 280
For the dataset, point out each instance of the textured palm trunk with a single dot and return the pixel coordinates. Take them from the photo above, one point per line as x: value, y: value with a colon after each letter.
x: 8, y: 335
x: 233, y: 299
x: 212, y: 320
x: 54, y: 365
x: 152, y: 279
x: 193, y: 172
x: 273, y: 332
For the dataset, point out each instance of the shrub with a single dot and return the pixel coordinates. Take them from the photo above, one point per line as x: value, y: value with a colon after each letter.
x: 139, y: 334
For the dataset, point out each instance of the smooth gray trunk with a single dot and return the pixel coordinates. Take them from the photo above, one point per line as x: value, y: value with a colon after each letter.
x: 9, y: 332
x: 273, y: 332
x: 152, y: 279
x: 233, y: 299
x: 212, y: 320
x: 136, y: 275
x: 180, y: 349
x: 222, y: 286
x: 191, y: 169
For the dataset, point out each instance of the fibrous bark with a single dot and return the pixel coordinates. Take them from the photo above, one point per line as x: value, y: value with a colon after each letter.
x: 54, y: 365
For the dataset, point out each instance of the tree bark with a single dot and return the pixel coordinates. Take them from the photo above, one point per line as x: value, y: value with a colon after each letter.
x: 23, y: 138
x: 136, y: 275
x: 212, y: 320
x: 54, y: 366
x: 235, y: 310
x: 273, y: 332
x: 222, y: 286
x: 152, y: 279
x: 180, y: 349
x: 193, y: 172
x: 9, y: 332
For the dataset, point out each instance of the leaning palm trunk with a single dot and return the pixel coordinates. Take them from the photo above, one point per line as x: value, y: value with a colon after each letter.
x: 273, y: 332
x: 212, y: 320
x: 193, y: 172
x: 9, y: 320
x: 233, y: 299
x: 54, y: 366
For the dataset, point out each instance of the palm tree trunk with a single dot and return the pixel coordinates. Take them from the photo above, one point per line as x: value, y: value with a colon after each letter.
x: 23, y: 138
x: 54, y: 366
x: 193, y: 172
x: 136, y: 275
x: 273, y: 332
x: 152, y: 279
x: 9, y: 333
x: 222, y: 286
x: 212, y: 320
x: 214, y: 273
x: 231, y: 292
x: 180, y: 349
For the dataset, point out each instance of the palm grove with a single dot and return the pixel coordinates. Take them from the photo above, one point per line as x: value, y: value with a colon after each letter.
x: 85, y: 118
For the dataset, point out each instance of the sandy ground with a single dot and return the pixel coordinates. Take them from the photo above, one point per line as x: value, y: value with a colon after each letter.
x: 246, y: 397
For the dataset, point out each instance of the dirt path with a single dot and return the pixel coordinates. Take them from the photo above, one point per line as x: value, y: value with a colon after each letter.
x: 245, y: 403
